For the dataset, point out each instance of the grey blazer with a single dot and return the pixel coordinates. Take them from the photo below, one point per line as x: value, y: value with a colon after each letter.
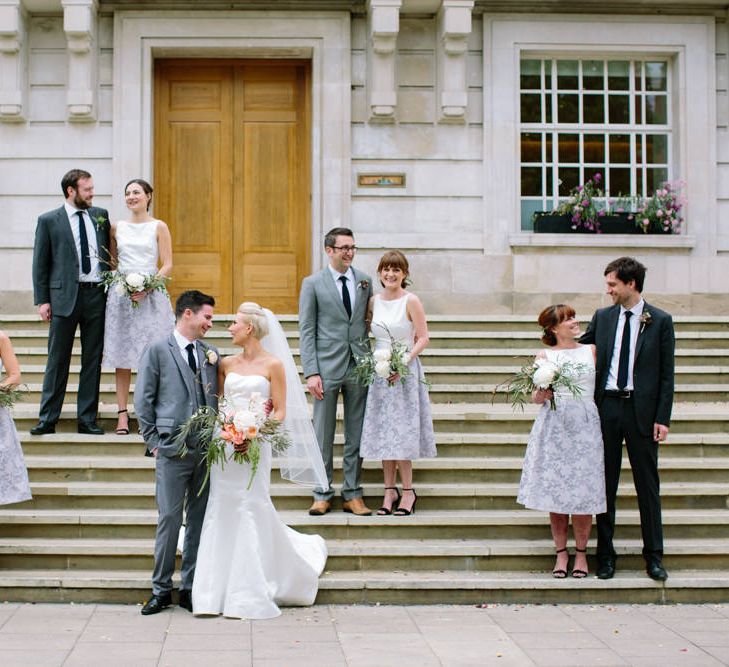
x: 328, y: 338
x: 164, y: 395
x: 55, y: 260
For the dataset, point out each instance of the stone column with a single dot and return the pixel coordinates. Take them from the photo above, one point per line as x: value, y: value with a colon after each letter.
x: 383, y: 25
x: 454, y: 28
x: 79, y: 24
x: 13, y: 71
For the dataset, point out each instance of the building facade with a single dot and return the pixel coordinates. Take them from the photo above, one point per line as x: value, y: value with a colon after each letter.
x: 433, y: 126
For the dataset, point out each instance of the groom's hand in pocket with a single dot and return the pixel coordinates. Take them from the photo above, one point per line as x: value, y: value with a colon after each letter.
x: 315, y: 386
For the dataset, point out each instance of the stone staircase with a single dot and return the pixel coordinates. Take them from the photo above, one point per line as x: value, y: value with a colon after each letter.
x: 88, y: 533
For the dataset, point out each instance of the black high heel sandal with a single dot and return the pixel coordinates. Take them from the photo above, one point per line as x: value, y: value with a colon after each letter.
x: 123, y: 431
x: 560, y: 574
x: 579, y: 574
x: 384, y: 511
x: 401, y: 511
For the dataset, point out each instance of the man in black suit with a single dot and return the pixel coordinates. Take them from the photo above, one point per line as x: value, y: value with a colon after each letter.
x: 634, y: 394
x: 70, y: 252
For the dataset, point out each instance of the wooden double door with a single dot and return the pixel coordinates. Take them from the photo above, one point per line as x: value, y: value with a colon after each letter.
x: 232, y: 177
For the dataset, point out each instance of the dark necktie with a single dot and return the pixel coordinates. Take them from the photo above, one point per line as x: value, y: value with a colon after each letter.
x: 85, y: 259
x: 190, y: 347
x: 345, y: 296
x: 624, y: 353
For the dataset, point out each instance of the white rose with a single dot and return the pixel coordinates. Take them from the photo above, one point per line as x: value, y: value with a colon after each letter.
x: 136, y: 281
x: 406, y: 358
x: 545, y: 374
x: 383, y: 354
x: 120, y: 289
x: 211, y: 357
x: 382, y: 368
x: 243, y: 420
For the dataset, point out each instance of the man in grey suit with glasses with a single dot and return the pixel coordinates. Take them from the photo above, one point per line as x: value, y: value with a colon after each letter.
x: 333, y: 333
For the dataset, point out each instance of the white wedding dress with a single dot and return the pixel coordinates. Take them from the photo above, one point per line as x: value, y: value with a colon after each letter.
x: 250, y: 562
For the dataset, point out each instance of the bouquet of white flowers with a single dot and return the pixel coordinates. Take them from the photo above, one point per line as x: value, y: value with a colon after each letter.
x: 245, y: 428
x: 542, y: 374
x: 384, y: 363
x: 127, y: 284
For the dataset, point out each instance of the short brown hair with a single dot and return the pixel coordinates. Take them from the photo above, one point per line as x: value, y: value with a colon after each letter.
x: 550, y: 317
x: 627, y: 269
x: 396, y: 260
x: 71, y: 178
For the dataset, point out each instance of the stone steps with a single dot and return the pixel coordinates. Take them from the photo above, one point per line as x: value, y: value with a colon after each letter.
x: 88, y: 533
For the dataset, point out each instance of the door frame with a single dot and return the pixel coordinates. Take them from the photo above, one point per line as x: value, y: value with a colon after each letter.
x: 323, y: 38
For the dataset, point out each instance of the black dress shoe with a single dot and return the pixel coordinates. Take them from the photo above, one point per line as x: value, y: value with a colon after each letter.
x: 42, y: 428
x: 156, y: 604
x: 185, y: 600
x: 656, y: 571
x: 606, y: 569
x: 90, y: 428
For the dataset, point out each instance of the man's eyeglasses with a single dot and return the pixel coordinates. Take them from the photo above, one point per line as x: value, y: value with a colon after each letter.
x: 345, y: 248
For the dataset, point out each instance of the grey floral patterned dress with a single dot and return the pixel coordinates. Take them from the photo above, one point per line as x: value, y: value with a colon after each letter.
x: 397, y: 422
x: 564, y: 468
x: 14, y: 486
x: 128, y: 330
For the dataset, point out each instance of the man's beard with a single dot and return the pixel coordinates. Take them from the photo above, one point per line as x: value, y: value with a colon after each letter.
x: 79, y: 203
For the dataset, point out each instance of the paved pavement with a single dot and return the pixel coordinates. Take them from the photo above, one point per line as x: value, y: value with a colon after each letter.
x: 362, y: 636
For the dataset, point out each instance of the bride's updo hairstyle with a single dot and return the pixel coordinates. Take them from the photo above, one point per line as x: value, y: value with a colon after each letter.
x: 550, y: 317
x: 253, y: 314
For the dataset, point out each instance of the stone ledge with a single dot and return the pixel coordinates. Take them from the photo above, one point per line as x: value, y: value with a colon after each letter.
x: 675, y: 243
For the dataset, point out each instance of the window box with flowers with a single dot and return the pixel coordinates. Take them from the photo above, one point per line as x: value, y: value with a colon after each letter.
x: 588, y: 211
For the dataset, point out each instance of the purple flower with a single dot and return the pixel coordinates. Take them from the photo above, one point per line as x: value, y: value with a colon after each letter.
x: 585, y: 202
x: 601, y: 213
x: 597, y: 177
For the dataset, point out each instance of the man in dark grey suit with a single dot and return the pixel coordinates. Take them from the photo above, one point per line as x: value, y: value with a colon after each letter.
x: 634, y: 393
x: 71, y: 249
x: 333, y: 333
x: 177, y: 375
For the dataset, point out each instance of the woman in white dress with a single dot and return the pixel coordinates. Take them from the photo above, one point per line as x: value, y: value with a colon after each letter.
x: 143, y: 245
x: 249, y: 562
x: 14, y: 486
x: 564, y: 467
x: 398, y: 427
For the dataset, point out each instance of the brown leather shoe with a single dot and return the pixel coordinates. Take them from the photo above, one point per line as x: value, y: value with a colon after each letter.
x: 320, y: 507
x: 356, y: 506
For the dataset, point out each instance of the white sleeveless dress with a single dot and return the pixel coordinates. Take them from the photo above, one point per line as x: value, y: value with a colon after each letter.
x: 249, y: 562
x: 128, y: 330
x: 397, y: 424
x: 14, y: 486
x: 564, y: 465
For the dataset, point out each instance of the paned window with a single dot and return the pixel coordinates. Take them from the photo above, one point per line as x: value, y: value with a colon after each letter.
x: 581, y: 116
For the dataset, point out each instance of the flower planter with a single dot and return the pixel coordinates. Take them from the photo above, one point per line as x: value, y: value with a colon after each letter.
x: 550, y: 223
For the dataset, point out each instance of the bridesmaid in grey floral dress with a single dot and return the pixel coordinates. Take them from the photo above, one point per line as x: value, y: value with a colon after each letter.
x: 398, y: 426
x: 14, y: 486
x: 564, y: 467
x: 138, y: 245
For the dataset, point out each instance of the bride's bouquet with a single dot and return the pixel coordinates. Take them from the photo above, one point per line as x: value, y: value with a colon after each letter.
x: 9, y: 396
x: 542, y: 374
x: 244, y: 427
x: 127, y: 284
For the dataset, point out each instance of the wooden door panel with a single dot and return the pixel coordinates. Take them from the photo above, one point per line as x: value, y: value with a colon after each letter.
x: 232, y: 177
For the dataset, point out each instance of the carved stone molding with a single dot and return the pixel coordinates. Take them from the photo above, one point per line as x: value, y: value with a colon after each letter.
x: 383, y: 25
x: 80, y: 24
x: 13, y: 74
x: 454, y: 28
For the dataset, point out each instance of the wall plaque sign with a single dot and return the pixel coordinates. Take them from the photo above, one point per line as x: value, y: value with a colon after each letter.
x: 381, y: 180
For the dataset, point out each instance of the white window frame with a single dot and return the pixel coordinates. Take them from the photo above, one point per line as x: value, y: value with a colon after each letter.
x: 688, y: 41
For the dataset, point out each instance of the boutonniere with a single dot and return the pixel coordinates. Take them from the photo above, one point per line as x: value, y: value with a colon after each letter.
x: 211, y: 357
x: 363, y: 284
x: 100, y: 222
x: 645, y: 319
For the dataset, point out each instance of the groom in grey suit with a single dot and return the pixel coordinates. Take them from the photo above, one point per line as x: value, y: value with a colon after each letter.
x: 177, y: 375
x: 71, y: 250
x: 332, y: 311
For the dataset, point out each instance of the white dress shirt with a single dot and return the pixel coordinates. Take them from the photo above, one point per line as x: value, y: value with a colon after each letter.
x: 182, y: 343
x: 612, y: 379
x: 93, y: 276
x: 351, y: 287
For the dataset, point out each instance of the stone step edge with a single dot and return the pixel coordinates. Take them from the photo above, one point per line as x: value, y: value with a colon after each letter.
x: 378, y: 547
x: 409, y: 580
x: 371, y: 490
x: 139, y: 462
x: 450, y: 518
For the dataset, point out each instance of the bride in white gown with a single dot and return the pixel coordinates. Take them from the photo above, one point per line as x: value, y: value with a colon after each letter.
x: 249, y: 562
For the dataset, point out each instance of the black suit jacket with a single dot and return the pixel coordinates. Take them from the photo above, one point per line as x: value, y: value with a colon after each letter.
x: 56, y: 262
x: 653, y: 367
